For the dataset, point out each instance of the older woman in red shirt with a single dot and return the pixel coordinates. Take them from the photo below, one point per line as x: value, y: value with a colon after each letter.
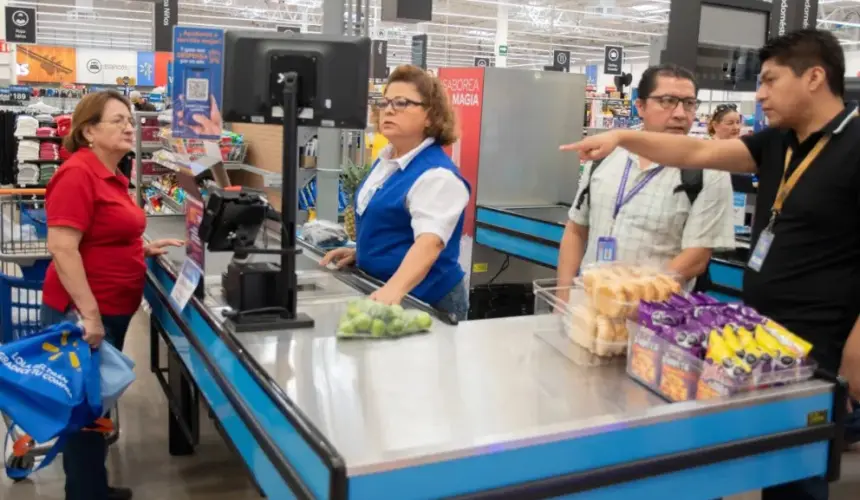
x: 95, y: 236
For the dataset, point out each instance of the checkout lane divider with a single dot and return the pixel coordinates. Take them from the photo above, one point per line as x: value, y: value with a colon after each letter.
x: 320, y: 445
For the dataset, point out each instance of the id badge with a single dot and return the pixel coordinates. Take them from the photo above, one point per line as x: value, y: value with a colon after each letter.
x: 607, y: 249
x: 762, y: 247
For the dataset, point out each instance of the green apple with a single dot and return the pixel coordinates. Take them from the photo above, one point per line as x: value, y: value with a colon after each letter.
x: 424, y: 320
x: 396, y: 327
x: 377, y: 329
x: 362, y: 322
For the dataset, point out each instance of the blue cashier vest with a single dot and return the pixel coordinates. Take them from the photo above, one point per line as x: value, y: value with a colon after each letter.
x: 385, y: 230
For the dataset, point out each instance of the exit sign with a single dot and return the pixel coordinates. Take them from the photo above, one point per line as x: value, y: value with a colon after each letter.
x: 503, y: 50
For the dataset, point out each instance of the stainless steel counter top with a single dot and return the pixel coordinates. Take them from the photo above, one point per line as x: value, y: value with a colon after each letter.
x: 457, y: 391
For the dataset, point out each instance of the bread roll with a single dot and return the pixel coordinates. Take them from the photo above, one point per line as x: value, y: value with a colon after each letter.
x: 610, y: 299
x: 583, y: 326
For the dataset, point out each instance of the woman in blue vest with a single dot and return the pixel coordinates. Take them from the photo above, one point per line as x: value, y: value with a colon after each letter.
x: 409, y: 210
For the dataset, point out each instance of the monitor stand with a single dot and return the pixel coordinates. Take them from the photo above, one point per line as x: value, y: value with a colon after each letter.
x: 284, y: 316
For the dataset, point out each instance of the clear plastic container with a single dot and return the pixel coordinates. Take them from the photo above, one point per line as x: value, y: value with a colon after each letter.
x: 616, y: 289
x: 676, y: 375
x: 580, y: 334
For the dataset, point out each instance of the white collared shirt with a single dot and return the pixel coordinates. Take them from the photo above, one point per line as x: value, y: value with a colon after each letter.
x: 435, y: 201
x: 657, y: 223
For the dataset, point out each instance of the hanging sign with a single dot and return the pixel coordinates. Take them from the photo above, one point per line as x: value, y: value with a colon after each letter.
x: 379, y: 59
x: 482, y: 62
x: 561, y: 60
x: 419, y: 51
x: 166, y: 15
x: 613, y: 56
x: 20, y: 25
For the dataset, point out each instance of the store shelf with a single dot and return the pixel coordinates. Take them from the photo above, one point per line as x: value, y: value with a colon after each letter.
x: 270, y: 179
x: 172, y: 204
x: 40, y: 162
x: 39, y: 138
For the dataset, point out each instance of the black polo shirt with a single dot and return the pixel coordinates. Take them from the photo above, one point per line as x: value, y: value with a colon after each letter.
x: 810, y: 280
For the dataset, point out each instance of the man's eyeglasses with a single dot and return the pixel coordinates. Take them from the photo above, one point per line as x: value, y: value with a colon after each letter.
x: 668, y: 102
x: 120, y: 122
x: 398, y: 103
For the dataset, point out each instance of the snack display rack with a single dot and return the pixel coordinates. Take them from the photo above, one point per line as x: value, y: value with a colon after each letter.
x: 675, y: 375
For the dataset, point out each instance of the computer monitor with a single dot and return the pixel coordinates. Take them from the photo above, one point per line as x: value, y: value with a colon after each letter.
x: 852, y: 89
x: 333, y: 76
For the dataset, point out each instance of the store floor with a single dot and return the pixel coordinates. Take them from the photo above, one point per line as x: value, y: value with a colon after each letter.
x: 140, y: 459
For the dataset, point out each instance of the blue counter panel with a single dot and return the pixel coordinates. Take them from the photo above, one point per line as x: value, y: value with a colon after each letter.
x: 724, y: 479
x: 727, y: 276
x: 546, y: 231
x: 308, y: 464
x: 501, y: 466
x: 517, y: 247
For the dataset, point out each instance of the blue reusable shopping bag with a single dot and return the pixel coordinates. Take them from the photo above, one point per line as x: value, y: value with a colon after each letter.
x: 117, y: 373
x: 50, y: 386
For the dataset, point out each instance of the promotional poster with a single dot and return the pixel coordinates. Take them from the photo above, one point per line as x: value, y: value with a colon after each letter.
x: 465, y: 87
x: 197, y: 79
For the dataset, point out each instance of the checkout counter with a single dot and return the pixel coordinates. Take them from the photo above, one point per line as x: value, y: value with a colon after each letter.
x: 534, y: 234
x: 479, y: 410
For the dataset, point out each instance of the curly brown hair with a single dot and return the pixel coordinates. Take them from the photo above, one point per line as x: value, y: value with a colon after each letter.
x: 443, y: 122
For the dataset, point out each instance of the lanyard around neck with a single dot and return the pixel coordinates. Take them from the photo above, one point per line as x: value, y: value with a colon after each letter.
x: 787, y: 183
x: 621, y: 199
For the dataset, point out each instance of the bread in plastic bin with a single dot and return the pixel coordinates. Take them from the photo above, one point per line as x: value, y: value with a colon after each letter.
x: 583, y: 326
x: 607, y: 337
x: 613, y: 298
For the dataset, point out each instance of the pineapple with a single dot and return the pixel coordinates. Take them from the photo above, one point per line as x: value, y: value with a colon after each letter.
x: 352, y: 177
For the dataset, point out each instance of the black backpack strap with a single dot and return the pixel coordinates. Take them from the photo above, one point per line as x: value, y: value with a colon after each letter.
x: 692, y: 182
x: 587, y: 189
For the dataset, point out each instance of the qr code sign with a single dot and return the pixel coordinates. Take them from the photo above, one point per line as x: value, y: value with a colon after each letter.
x: 197, y: 89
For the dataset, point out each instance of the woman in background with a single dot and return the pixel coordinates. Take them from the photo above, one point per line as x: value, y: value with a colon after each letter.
x: 726, y: 122
x: 95, y: 237
x: 410, y: 209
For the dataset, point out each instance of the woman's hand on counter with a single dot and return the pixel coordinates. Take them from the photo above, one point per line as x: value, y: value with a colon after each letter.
x: 159, y: 247
x: 341, y: 257
x: 387, y: 295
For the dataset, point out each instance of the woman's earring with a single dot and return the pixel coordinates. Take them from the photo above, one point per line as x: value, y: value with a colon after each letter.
x: 91, y: 145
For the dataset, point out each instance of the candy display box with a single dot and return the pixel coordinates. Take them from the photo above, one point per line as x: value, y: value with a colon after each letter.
x: 676, y: 375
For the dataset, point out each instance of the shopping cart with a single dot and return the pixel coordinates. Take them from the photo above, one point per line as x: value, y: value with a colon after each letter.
x: 21, y: 299
x: 23, y: 233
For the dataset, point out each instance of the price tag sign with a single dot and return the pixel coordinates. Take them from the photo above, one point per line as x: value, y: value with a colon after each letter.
x: 20, y: 93
x: 186, y: 284
x: 15, y: 95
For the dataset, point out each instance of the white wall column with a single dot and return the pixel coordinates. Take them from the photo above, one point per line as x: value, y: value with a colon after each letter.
x: 8, y: 66
x: 329, y: 144
x: 501, y: 46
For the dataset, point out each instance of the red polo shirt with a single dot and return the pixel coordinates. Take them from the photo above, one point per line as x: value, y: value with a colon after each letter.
x: 86, y: 196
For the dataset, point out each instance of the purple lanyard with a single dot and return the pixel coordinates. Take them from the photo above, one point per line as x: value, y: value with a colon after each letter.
x: 621, y: 199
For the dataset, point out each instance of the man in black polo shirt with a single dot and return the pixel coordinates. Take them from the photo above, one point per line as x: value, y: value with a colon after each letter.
x: 804, y: 271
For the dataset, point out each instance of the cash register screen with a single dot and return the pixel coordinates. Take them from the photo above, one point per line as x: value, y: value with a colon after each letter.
x: 728, y: 27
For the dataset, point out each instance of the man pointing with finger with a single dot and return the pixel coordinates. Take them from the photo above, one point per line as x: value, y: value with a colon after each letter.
x: 804, y: 270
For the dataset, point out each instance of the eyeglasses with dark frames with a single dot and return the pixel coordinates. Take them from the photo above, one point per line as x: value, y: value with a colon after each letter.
x: 668, y: 102
x: 398, y: 103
